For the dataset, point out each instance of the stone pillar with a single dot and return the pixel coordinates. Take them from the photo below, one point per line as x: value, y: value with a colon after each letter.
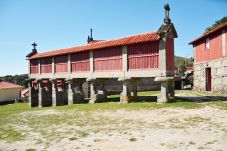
x: 53, y: 65
x: 54, y: 92
x: 167, y: 89
x: 129, y: 91
x: 30, y: 93
x: 40, y: 93
x: 39, y: 66
x: 91, y: 59
x: 69, y: 64
x: 97, y: 90
x: 70, y: 91
x: 124, y: 59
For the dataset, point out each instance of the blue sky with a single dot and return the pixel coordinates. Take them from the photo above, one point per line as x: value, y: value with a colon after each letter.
x: 55, y: 24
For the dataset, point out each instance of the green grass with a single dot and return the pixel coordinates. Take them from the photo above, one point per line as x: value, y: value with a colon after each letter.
x: 71, y: 115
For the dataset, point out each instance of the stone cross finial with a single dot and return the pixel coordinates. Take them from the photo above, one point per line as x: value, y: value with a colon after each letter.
x: 34, y: 46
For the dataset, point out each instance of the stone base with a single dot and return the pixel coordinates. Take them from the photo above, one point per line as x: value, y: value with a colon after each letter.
x: 167, y: 90
x: 98, y: 98
x: 160, y: 99
x: 127, y: 99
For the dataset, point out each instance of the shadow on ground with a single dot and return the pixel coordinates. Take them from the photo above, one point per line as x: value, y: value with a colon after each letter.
x: 138, y: 99
x: 181, y: 98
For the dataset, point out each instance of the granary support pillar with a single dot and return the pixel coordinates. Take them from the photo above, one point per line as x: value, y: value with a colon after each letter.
x: 30, y: 93
x: 54, y: 91
x: 129, y: 91
x: 70, y: 91
x: 97, y: 90
x: 40, y: 92
x: 167, y: 89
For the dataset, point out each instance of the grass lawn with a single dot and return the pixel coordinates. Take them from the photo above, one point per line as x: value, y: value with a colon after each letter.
x: 18, y: 122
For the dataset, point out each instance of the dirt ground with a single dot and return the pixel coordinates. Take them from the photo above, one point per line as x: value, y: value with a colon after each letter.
x: 161, y: 129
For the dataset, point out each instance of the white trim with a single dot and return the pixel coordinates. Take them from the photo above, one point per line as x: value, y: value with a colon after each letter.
x: 207, y: 43
x: 223, y: 42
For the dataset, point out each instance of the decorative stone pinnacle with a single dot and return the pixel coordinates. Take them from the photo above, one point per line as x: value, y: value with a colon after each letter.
x: 167, y: 9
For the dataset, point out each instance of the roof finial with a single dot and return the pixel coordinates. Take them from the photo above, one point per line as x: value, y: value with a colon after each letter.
x: 167, y: 9
x: 34, y: 47
x: 91, y: 32
x: 90, y: 38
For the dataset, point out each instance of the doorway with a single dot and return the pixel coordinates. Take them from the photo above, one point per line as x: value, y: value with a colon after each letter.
x: 208, y: 79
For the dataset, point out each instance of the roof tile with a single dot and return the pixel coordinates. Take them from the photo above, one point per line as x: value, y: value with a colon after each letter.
x: 153, y: 36
x: 7, y: 85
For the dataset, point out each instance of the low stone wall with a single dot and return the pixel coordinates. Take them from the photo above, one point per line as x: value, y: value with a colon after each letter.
x: 113, y: 86
x: 218, y: 74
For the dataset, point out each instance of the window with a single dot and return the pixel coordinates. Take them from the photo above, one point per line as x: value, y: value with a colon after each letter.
x: 207, y: 43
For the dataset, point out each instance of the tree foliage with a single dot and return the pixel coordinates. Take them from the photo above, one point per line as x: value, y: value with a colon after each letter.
x: 216, y: 24
x: 17, y: 79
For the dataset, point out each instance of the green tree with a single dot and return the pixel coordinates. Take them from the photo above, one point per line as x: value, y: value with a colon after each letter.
x: 216, y: 24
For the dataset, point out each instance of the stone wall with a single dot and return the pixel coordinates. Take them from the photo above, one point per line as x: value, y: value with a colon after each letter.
x: 218, y: 74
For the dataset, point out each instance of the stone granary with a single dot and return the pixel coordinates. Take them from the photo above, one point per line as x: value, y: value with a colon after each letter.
x: 55, y: 77
x: 210, y: 63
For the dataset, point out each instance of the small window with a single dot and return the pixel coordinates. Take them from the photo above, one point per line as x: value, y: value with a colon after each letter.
x: 207, y: 43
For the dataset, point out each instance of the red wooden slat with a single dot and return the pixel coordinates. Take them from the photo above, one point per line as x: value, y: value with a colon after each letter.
x: 143, y: 56
x: 108, y: 59
x: 46, y: 65
x: 61, y: 63
x: 80, y: 61
x: 215, y: 50
x: 34, y: 66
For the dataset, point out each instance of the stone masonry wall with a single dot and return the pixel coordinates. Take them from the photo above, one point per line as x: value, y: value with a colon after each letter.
x: 218, y: 74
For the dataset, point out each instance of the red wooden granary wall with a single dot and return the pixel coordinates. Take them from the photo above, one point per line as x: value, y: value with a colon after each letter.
x: 46, y: 65
x: 215, y: 48
x: 61, y: 63
x: 170, y: 53
x: 80, y: 61
x: 109, y: 59
x: 143, y: 55
x: 34, y: 66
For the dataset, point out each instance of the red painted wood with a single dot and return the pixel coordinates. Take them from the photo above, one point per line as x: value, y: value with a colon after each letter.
x: 34, y: 66
x: 143, y: 56
x: 170, y: 53
x: 108, y: 59
x: 61, y: 63
x: 214, y: 52
x: 46, y: 65
x: 226, y: 42
x: 208, y: 79
x: 80, y: 61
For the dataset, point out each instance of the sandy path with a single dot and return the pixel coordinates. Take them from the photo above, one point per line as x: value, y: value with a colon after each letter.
x: 138, y: 130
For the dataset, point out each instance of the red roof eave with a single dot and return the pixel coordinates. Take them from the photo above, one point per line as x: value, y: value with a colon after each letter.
x: 101, y: 44
x: 7, y: 85
x: 208, y: 33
